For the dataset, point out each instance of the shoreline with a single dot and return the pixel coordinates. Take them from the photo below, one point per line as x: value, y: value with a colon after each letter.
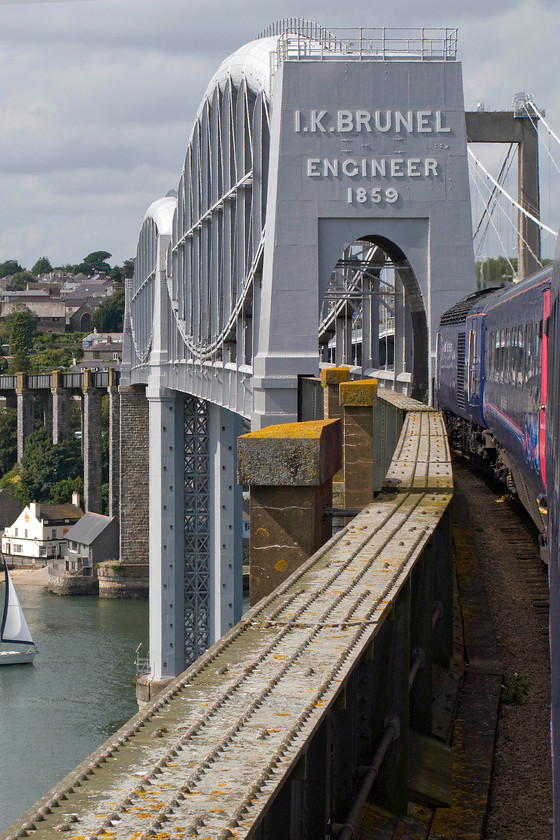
x: 30, y: 575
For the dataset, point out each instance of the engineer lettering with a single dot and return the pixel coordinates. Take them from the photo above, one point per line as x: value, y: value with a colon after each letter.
x: 379, y: 167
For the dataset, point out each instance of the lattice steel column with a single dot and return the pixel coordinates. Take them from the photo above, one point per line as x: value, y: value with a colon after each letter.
x: 197, y: 515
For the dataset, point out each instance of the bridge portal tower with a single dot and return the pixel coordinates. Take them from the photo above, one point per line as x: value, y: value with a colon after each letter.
x: 308, y: 148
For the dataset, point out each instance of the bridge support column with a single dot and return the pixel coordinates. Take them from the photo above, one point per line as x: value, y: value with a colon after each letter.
x: 225, y: 521
x: 91, y: 407
x: 166, y: 537
x: 289, y: 469
x: 60, y: 409
x: 330, y: 380
x: 25, y: 418
x: 129, y: 577
x: 358, y: 399
x: 114, y: 446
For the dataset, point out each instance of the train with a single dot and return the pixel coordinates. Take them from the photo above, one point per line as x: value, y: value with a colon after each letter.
x: 498, y: 386
x: 492, y: 385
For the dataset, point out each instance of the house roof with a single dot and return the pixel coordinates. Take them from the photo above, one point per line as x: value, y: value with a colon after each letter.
x: 56, y: 512
x: 88, y: 528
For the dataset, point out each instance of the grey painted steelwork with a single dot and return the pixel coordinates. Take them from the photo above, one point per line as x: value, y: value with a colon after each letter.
x: 269, y: 728
x: 197, y: 530
x: 306, y: 141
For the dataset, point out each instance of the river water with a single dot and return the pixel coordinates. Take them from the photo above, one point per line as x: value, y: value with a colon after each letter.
x: 77, y: 693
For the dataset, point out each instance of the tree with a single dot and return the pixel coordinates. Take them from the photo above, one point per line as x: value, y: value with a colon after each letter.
x: 109, y: 316
x: 96, y: 261
x: 42, y: 266
x: 20, y: 280
x: 9, y: 267
x: 12, y: 482
x: 61, y: 492
x: 44, y: 464
x: 8, y: 439
x: 21, y: 328
x: 495, y: 271
x: 128, y: 267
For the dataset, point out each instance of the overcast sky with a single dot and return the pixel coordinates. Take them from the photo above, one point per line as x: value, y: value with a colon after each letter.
x: 97, y: 99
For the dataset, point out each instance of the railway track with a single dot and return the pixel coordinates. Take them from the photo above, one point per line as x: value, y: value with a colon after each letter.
x: 208, y: 754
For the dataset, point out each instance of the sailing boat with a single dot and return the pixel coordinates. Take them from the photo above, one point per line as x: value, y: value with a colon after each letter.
x: 14, y: 629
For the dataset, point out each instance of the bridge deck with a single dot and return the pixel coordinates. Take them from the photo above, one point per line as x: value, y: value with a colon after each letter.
x: 207, y: 757
x: 421, y: 460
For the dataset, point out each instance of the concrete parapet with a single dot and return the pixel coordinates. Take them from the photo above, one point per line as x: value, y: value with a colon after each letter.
x: 289, y: 469
x: 358, y: 399
x: 331, y: 379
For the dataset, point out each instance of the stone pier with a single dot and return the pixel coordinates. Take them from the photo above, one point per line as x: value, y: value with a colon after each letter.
x: 289, y: 469
x: 129, y: 577
x: 357, y: 399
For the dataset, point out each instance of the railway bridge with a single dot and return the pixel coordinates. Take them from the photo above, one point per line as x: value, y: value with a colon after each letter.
x: 324, y: 194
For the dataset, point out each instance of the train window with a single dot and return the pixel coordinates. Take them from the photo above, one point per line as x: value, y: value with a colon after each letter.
x: 529, y: 354
x: 521, y: 353
x: 501, y: 354
x: 508, y: 359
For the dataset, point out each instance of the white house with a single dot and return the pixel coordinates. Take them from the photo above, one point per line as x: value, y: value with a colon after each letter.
x: 39, y: 532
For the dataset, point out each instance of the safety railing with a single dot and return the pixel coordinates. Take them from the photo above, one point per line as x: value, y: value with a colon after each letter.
x: 305, y: 43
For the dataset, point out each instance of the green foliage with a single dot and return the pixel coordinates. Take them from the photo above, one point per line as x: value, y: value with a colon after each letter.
x: 19, y: 281
x: 61, y: 492
x: 8, y: 439
x: 516, y: 688
x: 494, y: 272
x: 96, y: 261
x: 105, y: 498
x: 53, y: 351
x: 42, y: 266
x: 128, y: 267
x: 109, y: 316
x: 12, y: 482
x: 45, y: 464
x: 21, y: 326
x: 9, y: 267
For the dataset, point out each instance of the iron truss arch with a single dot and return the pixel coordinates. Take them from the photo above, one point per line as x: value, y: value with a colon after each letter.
x: 218, y: 229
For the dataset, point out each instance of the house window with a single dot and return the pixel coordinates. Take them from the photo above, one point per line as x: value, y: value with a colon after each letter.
x: 25, y: 533
x: 16, y: 532
x: 18, y: 549
x: 115, y: 356
x: 53, y: 533
x: 43, y: 551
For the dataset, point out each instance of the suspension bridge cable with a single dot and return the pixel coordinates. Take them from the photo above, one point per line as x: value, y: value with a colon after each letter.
x: 512, y: 224
x: 493, y: 194
x: 491, y: 221
x: 512, y: 200
x: 477, y: 177
x: 534, y: 123
x: 542, y: 119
